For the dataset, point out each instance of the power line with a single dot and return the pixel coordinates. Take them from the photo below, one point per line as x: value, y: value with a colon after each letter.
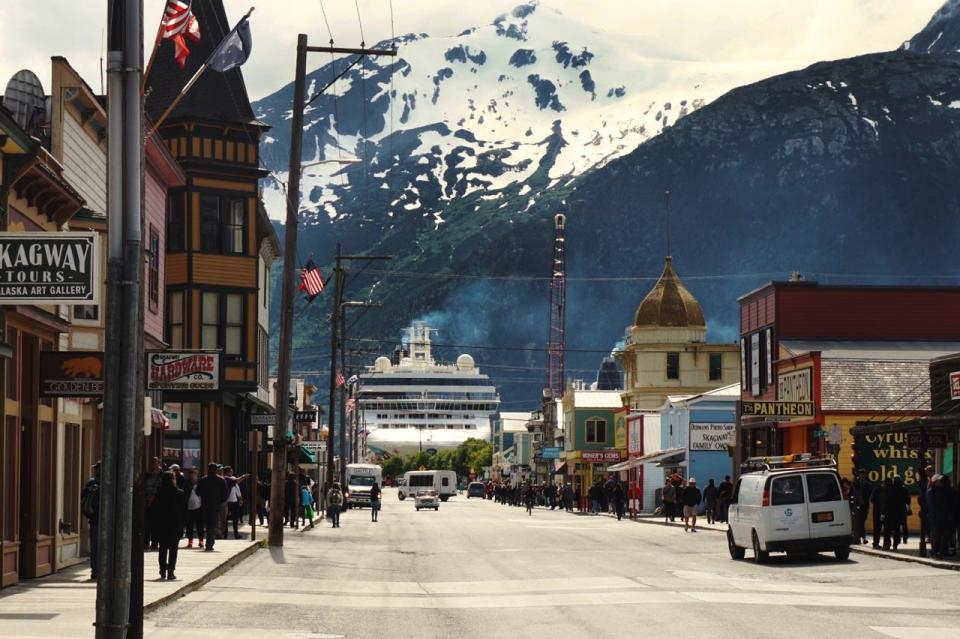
x: 539, y: 278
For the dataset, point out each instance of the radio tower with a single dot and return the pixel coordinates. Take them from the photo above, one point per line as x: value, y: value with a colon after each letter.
x: 556, y: 336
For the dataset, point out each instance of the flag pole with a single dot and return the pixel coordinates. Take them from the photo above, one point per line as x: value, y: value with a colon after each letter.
x: 189, y: 85
x: 153, y: 55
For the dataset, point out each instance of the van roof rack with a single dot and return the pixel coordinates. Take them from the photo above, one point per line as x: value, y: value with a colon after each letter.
x: 785, y: 462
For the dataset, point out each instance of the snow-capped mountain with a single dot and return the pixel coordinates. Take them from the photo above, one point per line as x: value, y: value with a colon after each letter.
x: 942, y: 33
x: 533, y: 92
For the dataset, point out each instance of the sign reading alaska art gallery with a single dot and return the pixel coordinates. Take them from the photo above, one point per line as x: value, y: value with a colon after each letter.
x: 49, y: 268
x: 183, y: 370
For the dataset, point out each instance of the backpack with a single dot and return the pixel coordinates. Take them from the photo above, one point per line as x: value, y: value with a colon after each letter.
x: 335, y: 497
x: 90, y: 500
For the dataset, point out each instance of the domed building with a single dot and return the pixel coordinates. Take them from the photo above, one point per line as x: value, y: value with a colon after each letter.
x: 665, y: 350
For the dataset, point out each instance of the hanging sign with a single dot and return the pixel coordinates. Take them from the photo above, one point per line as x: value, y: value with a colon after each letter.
x: 955, y: 385
x: 305, y: 416
x: 183, y: 370
x: 600, y: 456
x: 711, y: 436
x: 71, y: 374
x: 775, y: 410
x: 49, y: 268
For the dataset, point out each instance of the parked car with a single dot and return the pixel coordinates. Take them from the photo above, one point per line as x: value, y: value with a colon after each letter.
x: 476, y: 489
x: 792, y: 504
x: 427, y: 499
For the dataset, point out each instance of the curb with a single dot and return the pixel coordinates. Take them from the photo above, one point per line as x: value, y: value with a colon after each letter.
x: 923, y: 561
x: 196, y: 584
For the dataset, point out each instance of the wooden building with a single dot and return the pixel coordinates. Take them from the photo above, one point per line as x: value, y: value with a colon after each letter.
x: 219, y: 248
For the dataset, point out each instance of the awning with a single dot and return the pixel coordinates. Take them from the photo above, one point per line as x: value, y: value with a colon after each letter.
x: 561, y: 469
x: 668, y: 455
x: 624, y: 465
x: 930, y: 423
x: 306, y: 457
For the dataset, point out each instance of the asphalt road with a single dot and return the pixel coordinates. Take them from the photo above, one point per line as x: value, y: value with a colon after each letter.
x: 478, y: 569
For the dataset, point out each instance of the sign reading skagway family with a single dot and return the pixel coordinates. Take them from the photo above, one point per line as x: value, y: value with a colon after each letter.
x: 183, y: 370
x: 49, y: 268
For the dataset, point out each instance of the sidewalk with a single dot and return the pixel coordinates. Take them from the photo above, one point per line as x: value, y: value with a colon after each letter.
x: 63, y: 604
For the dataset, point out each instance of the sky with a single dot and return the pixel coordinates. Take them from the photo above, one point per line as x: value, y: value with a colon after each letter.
x: 31, y: 31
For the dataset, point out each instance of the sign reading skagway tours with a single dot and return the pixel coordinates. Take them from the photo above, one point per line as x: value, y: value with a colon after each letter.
x: 49, y: 268
x: 183, y: 370
x: 711, y: 436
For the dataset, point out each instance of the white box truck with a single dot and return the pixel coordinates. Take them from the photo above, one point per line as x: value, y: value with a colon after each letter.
x: 442, y: 481
x: 360, y: 479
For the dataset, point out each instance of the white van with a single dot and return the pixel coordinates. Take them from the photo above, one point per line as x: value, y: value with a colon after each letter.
x: 794, y: 504
x: 360, y: 479
x: 442, y: 481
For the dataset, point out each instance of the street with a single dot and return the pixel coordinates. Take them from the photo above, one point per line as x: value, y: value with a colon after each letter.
x: 479, y: 569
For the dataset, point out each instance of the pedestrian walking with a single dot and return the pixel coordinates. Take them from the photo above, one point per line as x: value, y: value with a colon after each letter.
x: 212, y: 490
x: 724, y: 495
x: 90, y: 507
x: 668, y: 496
x: 151, y: 482
x: 595, y: 494
x: 375, y: 493
x: 194, y: 519
x: 896, y: 512
x: 290, y: 501
x: 690, y: 498
x: 880, y: 499
x: 529, y: 496
x: 710, y: 497
x: 619, y: 500
x: 306, y: 502
x: 568, y: 497
x: 861, y: 492
x: 169, y: 506
x: 942, y: 510
x: 234, y: 501
x: 334, y: 502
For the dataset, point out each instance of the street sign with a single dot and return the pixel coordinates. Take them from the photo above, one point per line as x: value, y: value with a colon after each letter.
x: 934, y: 440
x: 318, y: 447
x: 305, y: 416
x: 821, y: 433
x: 775, y: 410
x: 550, y: 452
x: 264, y: 419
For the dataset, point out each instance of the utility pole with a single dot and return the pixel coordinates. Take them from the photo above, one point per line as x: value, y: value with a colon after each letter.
x: 332, y: 400
x: 343, y: 306
x: 289, y: 255
x: 123, y: 396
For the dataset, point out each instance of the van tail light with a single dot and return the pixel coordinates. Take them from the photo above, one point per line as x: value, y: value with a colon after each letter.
x: 766, y: 497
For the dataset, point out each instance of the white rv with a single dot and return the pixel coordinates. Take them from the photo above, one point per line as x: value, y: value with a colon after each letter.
x: 360, y: 479
x: 442, y: 481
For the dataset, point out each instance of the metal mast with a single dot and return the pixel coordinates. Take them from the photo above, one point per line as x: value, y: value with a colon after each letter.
x: 556, y: 335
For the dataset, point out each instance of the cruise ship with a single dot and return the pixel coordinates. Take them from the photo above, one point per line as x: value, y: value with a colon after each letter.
x: 411, y: 403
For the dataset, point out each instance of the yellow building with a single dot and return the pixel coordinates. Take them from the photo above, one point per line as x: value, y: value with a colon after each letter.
x: 665, y: 350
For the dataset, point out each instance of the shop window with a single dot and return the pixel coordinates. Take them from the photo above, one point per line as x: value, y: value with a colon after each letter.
x: 12, y: 364
x: 263, y: 358
x: 234, y: 326
x: 265, y: 285
x: 673, y: 365
x: 175, y: 315
x: 716, y: 366
x: 209, y: 320
x: 71, y: 477
x: 45, y: 488
x: 183, y: 417
x: 46, y: 346
x: 154, y: 268
x: 11, y: 508
x: 176, y: 223
x: 210, y: 223
x: 234, y: 228
x: 86, y: 312
x: 596, y: 431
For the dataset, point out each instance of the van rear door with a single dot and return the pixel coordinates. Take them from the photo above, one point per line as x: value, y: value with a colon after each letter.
x: 786, y: 516
x: 829, y: 512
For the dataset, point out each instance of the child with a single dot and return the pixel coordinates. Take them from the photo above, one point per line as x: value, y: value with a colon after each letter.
x: 306, y: 500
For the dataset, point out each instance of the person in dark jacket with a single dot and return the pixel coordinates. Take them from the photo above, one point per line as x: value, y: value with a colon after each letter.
x: 90, y: 505
x: 881, y: 500
x: 619, y: 500
x: 690, y: 497
x: 290, y: 493
x: 896, y: 513
x: 941, y: 505
x: 860, y: 493
x: 710, y: 496
x: 669, y: 498
x: 724, y: 495
x: 212, y: 490
x: 169, y: 505
x: 151, y: 482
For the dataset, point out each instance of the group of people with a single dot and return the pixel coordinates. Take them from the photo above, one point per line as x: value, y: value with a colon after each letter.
x: 529, y: 494
x: 890, y: 504
x: 681, y: 497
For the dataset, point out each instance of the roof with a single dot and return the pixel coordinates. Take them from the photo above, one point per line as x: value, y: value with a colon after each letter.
x: 669, y: 303
x: 731, y: 391
x: 883, y: 350
x: 514, y: 422
x: 874, y: 385
x: 216, y: 96
x: 597, y: 399
x: 810, y: 284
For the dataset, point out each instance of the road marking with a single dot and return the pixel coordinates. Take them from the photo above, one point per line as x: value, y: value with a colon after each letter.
x: 815, y: 588
x: 910, y: 632
x: 530, y: 585
x: 879, y: 574
x: 873, y: 601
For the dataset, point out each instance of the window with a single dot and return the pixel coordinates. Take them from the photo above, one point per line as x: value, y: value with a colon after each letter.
x: 716, y: 366
x: 743, y: 364
x: 234, y: 228
x: 787, y: 491
x: 45, y: 489
x: 210, y: 311
x: 266, y: 285
x: 71, y: 477
x: 234, y: 331
x: 596, y: 431
x: 86, y: 312
x: 673, y: 365
x: 263, y: 358
x: 176, y: 223
x: 11, y: 488
x: 13, y: 364
x: 210, y: 223
x: 823, y: 487
x: 175, y: 315
x: 154, y: 268
x: 755, y: 363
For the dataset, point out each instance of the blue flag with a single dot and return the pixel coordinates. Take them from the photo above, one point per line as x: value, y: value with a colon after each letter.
x: 234, y: 50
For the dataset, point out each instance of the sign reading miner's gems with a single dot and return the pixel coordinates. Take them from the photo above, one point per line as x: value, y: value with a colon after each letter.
x: 49, y: 268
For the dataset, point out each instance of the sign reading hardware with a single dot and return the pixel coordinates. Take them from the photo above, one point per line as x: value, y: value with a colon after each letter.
x: 183, y: 370
x: 778, y: 409
x: 711, y: 436
x: 71, y: 374
x: 49, y: 268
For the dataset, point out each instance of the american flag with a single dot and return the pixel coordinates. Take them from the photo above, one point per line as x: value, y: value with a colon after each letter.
x: 178, y: 21
x: 351, y: 405
x: 311, y: 280
x: 340, y: 380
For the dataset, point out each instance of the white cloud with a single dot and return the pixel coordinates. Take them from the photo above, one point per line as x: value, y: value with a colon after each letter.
x: 31, y: 31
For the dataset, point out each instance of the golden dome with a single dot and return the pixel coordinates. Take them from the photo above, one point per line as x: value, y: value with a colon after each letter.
x: 669, y: 303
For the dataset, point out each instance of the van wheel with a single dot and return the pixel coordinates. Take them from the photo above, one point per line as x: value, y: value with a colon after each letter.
x: 842, y: 553
x: 418, y: 508
x: 736, y: 552
x: 444, y: 497
x: 401, y: 496
x: 759, y: 556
